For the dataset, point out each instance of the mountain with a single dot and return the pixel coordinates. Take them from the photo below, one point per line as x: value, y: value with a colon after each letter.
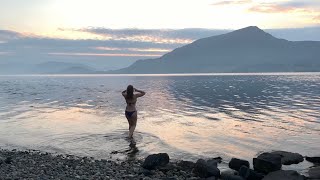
x: 46, y: 68
x: 62, y: 68
x: 245, y: 50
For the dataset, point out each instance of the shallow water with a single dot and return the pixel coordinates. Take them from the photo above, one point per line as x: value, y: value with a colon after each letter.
x: 187, y: 116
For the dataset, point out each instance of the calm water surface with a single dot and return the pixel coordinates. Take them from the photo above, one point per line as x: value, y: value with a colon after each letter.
x: 186, y: 116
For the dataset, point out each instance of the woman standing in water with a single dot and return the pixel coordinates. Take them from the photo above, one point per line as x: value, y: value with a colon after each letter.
x: 131, y: 111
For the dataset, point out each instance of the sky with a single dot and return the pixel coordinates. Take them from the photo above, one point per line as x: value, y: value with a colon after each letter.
x: 115, y: 33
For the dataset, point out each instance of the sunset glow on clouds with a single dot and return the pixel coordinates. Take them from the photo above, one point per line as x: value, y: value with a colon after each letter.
x: 131, y: 30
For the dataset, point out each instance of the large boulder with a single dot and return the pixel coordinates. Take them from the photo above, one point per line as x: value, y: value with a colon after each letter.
x: 235, y: 163
x: 315, y: 160
x: 249, y: 174
x: 314, y: 173
x: 288, y: 158
x: 267, y: 162
x: 155, y: 160
x: 205, y: 169
x: 284, y: 175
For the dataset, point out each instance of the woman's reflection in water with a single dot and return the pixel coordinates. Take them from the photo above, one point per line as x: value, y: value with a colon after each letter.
x: 131, y: 152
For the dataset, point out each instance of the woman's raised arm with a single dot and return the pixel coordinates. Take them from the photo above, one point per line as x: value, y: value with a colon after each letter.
x: 141, y: 93
x: 124, y: 93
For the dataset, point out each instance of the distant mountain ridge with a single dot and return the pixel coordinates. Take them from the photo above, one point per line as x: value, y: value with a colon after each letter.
x: 245, y: 50
x: 51, y: 67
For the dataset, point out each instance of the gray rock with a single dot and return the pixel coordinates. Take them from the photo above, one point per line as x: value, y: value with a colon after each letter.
x: 314, y: 173
x: 146, y: 172
x: 235, y: 163
x: 249, y: 174
x: 315, y: 160
x: 218, y: 159
x: 186, y: 165
x: 267, y: 162
x: 230, y: 175
x: 154, y: 160
x: 284, y: 175
x: 288, y: 158
x: 168, y: 178
x: 212, y: 162
x: 205, y: 169
x: 2, y: 159
x: 8, y: 160
x: 166, y: 168
x: 211, y: 178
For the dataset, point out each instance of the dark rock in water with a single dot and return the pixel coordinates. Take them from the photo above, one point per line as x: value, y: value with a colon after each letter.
x: 314, y: 173
x: 212, y: 162
x: 8, y: 160
x: 315, y: 160
x: 235, y: 163
x: 218, y: 159
x: 267, y: 162
x: 249, y: 174
x: 284, y: 175
x: 186, y: 165
x: 230, y: 175
x: 154, y: 160
x: 205, y: 169
x: 211, y: 178
x: 288, y: 158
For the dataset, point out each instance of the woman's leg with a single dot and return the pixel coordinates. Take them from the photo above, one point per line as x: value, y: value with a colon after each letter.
x: 133, y: 123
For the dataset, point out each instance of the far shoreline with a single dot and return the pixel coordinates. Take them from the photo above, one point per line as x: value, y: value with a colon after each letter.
x: 166, y: 75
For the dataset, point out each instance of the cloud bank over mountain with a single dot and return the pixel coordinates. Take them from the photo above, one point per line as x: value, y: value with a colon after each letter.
x: 114, y: 48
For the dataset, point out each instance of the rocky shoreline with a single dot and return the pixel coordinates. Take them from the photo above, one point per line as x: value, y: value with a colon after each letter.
x: 33, y: 164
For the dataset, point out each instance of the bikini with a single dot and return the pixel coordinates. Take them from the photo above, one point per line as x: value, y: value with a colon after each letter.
x: 129, y: 113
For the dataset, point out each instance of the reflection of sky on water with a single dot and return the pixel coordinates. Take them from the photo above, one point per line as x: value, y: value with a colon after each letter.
x: 187, y: 116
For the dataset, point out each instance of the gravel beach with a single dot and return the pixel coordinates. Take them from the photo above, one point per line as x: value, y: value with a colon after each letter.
x: 32, y: 164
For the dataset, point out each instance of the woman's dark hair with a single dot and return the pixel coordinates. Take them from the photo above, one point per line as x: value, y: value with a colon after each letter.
x: 129, y: 92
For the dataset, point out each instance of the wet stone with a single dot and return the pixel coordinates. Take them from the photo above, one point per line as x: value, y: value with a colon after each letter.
x: 205, y: 169
x: 267, y: 162
x: 155, y: 160
x: 249, y: 174
x: 235, y: 163
x: 288, y: 158
x: 314, y: 173
x: 284, y: 175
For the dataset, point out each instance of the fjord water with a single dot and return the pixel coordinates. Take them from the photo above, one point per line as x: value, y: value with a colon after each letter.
x: 187, y: 116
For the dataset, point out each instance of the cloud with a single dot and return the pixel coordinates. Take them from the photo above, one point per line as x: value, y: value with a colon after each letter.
x: 301, y: 4
x: 156, y: 50
x: 285, y: 7
x: 271, y: 8
x: 9, y: 35
x: 104, y: 54
x: 4, y: 53
x: 159, y: 36
x: 230, y: 2
x: 317, y: 18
